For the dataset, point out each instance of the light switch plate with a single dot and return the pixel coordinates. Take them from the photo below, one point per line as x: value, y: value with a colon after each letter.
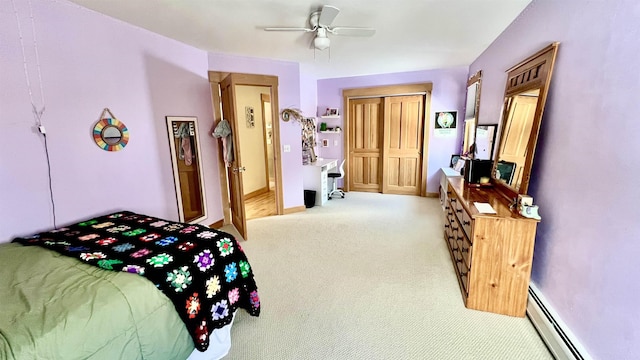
x: 335, y: 142
x: 287, y: 148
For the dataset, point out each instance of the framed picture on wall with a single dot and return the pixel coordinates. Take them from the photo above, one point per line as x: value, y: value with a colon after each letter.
x: 446, y: 123
x: 325, y: 142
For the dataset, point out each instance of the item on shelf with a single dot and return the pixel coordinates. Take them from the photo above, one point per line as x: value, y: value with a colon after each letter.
x: 331, y: 112
x: 323, y: 126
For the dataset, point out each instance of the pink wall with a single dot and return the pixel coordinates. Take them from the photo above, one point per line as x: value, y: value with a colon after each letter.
x: 289, y: 90
x: 584, y: 171
x: 449, y: 92
x: 90, y: 62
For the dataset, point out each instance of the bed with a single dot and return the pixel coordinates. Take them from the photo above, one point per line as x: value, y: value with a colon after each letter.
x: 80, y: 292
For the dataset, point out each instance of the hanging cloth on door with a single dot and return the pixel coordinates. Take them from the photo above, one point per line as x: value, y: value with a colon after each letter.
x: 223, y: 132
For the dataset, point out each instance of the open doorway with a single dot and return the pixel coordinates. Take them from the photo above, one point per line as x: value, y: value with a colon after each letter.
x: 253, y: 104
x: 255, y: 168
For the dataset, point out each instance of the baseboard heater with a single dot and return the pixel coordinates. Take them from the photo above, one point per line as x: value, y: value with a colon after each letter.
x: 561, y: 342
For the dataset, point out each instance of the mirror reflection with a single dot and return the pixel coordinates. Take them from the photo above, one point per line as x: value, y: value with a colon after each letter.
x: 471, y: 113
x: 521, y: 109
x: 484, y: 141
x: 111, y: 135
x: 187, y: 167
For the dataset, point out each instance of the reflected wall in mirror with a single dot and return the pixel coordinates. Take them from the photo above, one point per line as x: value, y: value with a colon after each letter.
x: 524, y: 101
x: 187, y: 167
x: 472, y: 108
x: 485, y: 140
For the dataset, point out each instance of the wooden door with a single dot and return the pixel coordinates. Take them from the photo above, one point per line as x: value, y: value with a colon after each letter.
x: 402, y: 150
x: 517, y: 131
x: 365, y: 144
x: 234, y: 172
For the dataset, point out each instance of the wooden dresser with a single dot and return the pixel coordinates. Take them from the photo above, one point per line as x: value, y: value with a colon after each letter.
x: 492, y: 254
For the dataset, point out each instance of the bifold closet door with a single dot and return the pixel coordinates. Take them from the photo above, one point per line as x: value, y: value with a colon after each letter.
x: 365, y: 140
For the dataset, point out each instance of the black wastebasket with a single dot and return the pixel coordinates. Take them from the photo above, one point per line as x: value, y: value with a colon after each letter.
x: 309, y: 198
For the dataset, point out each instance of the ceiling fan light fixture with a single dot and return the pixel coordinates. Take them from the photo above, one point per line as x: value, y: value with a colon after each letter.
x: 321, y: 43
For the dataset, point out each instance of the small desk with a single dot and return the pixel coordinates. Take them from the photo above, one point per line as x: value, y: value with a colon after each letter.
x: 314, y: 177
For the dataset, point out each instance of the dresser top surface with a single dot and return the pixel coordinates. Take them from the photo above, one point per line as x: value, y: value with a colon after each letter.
x: 469, y: 194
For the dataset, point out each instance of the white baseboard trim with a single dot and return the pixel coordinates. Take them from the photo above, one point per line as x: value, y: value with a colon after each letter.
x: 561, y: 342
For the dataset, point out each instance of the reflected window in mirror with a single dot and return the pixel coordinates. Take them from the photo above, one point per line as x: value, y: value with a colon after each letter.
x: 524, y: 100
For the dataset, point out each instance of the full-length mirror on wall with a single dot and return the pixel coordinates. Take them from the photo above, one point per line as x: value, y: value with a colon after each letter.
x: 471, y: 113
x: 187, y: 167
x: 524, y: 101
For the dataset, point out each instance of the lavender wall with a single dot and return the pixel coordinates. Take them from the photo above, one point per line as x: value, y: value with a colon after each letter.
x: 288, y: 74
x: 584, y: 175
x: 90, y: 62
x: 449, y: 91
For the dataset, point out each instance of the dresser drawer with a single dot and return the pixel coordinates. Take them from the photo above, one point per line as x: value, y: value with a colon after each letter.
x: 463, y: 273
x: 467, y: 225
x: 466, y: 248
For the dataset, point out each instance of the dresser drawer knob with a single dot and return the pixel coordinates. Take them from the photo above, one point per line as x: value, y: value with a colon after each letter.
x: 464, y: 222
x: 459, y: 211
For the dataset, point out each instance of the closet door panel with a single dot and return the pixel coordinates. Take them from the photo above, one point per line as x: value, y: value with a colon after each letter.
x: 366, y: 144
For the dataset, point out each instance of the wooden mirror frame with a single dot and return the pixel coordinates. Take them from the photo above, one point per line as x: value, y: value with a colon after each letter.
x: 471, y: 122
x: 533, y: 73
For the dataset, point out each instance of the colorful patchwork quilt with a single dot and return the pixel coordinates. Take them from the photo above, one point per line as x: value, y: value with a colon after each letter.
x: 203, y: 271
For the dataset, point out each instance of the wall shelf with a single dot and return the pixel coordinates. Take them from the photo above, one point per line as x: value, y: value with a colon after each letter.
x: 330, y: 117
x: 330, y: 132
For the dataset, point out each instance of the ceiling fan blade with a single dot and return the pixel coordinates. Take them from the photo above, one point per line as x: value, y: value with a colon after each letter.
x: 288, y: 29
x: 327, y: 15
x: 352, y: 31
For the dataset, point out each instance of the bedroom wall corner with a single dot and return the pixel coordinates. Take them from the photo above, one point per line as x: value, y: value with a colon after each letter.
x: 140, y: 76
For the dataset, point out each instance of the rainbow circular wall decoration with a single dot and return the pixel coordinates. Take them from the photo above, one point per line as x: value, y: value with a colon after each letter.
x: 110, y: 134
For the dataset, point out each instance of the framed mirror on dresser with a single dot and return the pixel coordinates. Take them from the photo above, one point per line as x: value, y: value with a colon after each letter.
x: 490, y: 242
x: 525, y: 96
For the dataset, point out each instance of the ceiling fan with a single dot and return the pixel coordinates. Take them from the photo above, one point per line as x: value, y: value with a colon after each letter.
x: 320, y: 24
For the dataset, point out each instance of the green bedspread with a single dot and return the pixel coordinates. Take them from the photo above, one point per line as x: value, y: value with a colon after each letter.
x: 55, y: 307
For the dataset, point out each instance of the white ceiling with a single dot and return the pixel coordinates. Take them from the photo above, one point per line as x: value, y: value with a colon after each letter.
x: 410, y: 34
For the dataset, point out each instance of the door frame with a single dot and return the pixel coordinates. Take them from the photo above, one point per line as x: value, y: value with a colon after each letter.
x: 215, y: 78
x: 385, y: 91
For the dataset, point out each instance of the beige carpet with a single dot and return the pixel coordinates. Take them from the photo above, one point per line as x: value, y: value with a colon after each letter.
x: 367, y: 277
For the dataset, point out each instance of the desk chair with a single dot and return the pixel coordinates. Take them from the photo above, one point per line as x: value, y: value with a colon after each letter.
x: 335, y: 177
